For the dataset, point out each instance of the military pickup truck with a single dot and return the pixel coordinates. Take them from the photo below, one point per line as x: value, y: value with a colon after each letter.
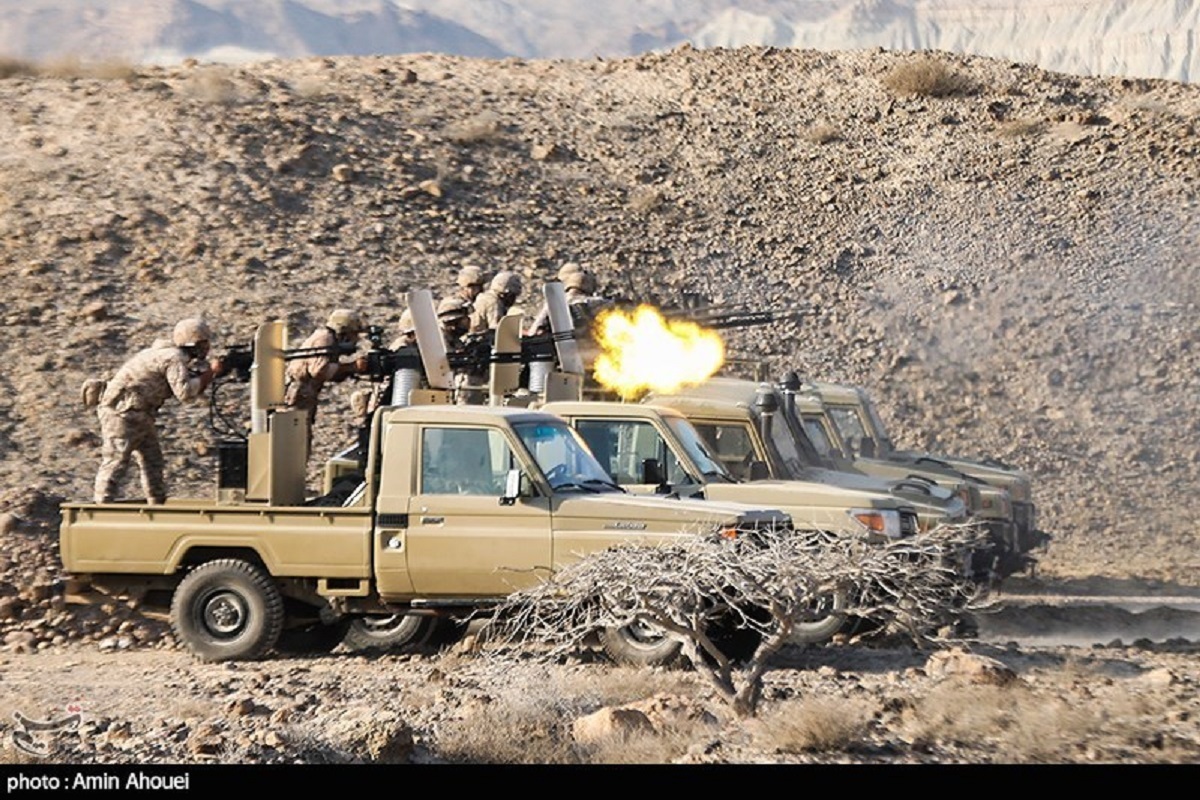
x: 990, y: 504
x: 455, y: 508
x: 650, y: 449
x: 862, y: 430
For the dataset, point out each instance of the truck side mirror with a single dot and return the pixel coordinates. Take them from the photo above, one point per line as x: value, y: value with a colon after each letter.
x: 759, y: 471
x: 652, y: 472
x: 512, y: 487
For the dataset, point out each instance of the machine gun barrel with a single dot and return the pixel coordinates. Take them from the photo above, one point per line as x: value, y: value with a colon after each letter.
x: 734, y: 317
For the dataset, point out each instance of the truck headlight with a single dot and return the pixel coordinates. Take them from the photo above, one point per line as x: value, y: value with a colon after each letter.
x: 880, y: 524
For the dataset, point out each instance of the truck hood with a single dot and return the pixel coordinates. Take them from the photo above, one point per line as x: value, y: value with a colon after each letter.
x: 781, y: 494
x: 943, y: 505
x: 614, y: 508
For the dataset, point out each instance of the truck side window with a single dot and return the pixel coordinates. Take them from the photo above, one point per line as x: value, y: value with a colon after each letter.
x: 731, y: 444
x: 849, y: 426
x: 621, y: 446
x: 470, y: 461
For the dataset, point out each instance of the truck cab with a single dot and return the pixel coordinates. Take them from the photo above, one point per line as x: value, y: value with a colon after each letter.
x: 654, y: 450
x: 741, y: 424
x: 862, y: 430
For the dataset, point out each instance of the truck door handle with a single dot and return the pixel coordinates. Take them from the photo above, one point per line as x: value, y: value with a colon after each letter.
x: 432, y: 520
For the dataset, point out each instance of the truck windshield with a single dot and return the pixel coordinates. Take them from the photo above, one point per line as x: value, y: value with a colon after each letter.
x: 563, y: 457
x: 883, y: 443
x: 697, y: 450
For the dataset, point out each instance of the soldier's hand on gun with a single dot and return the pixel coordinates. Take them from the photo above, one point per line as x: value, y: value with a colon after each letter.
x: 217, y: 367
x: 361, y: 364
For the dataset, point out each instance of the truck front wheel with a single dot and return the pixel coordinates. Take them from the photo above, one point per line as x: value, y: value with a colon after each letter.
x: 227, y: 610
x: 640, y: 644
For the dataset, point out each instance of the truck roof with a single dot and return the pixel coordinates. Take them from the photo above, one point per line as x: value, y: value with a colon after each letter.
x: 462, y: 414
x: 723, y: 390
x: 608, y: 409
x: 833, y: 391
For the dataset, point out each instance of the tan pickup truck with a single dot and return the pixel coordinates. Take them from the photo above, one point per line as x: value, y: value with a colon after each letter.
x: 862, y: 431
x: 455, y: 507
x: 650, y: 449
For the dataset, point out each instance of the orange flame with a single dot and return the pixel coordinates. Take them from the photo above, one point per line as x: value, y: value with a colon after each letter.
x: 642, y: 351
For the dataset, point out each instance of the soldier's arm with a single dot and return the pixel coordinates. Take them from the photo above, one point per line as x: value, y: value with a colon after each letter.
x: 184, y: 385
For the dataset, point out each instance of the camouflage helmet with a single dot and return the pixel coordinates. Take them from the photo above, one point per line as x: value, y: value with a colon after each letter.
x: 569, y: 268
x: 406, y: 323
x: 343, y: 321
x: 506, y: 282
x: 191, y: 332
x: 575, y: 280
x: 453, y: 307
x: 469, y: 275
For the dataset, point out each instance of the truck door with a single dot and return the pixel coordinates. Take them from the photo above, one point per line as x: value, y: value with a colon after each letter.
x: 623, y: 446
x: 461, y: 539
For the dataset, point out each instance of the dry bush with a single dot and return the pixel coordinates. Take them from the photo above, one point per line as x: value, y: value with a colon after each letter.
x: 1018, y: 724
x: 16, y: 68
x: 823, y: 133
x: 927, y: 77
x: 311, y: 88
x: 483, y: 127
x: 1018, y: 128
x: 816, y: 725
x: 643, y: 201
x: 212, y: 85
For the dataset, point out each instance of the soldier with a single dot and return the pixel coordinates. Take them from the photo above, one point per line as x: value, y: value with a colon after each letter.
x: 408, y: 332
x: 541, y: 322
x: 578, y: 286
x: 130, y: 402
x: 306, y: 377
x: 492, y: 305
x: 455, y: 315
x: 470, y: 283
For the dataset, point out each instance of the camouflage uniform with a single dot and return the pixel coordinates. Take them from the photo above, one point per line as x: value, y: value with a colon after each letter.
x: 305, y: 377
x: 127, y: 411
x: 492, y: 305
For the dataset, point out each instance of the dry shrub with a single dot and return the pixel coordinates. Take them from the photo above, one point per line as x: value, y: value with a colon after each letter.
x: 927, y: 77
x: 823, y: 134
x: 643, y: 201
x: 311, y: 88
x: 817, y: 725
x: 529, y: 720
x: 1018, y: 724
x: 212, y: 86
x: 15, y: 68
x: 483, y: 127
x: 112, y: 70
x: 1019, y: 128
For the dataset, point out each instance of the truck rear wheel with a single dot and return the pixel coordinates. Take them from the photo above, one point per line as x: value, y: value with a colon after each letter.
x: 379, y: 633
x: 641, y: 644
x: 227, y: 610
x: 823, y: 620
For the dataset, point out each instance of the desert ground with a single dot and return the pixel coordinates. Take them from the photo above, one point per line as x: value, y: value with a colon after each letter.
x: 1004, y: 257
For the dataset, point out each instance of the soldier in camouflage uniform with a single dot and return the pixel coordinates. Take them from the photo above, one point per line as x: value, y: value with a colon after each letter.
x: 130, y: 402
x: 306, y: 377
x: 492, y: 305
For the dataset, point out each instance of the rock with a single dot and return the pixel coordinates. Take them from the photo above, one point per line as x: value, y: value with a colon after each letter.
x: 94, y: 311
x: 430, y: 187
x: 10, y: 608
x: 343, y: 173
x: 20, y: 641
x: 609, y: 723
x: 666, y: 712
x: 8, y: 524
x: 957, y: 663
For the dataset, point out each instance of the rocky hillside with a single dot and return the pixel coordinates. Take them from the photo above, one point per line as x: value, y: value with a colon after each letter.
x: 1003, y: 256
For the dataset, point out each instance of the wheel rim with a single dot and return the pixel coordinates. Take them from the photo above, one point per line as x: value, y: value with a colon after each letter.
x: 643, y: 634
x: 224, y: 614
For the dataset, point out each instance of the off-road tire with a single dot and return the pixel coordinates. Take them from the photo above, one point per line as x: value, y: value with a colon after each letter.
x: 315, y: 637
x: 638, y: 646
x: 821, y: 629
x: 382, y: 634
x: 227, y: 610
